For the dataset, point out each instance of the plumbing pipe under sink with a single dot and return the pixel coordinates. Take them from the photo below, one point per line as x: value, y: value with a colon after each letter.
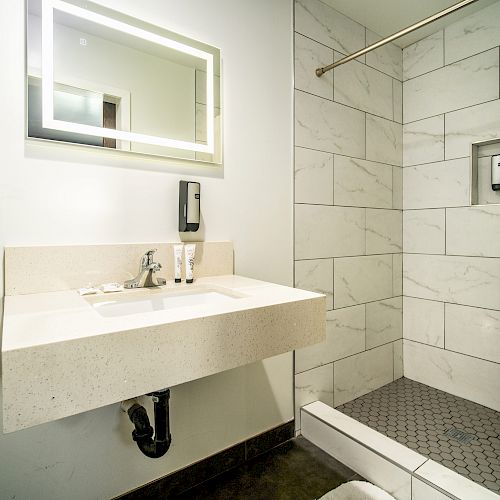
x: 157, y: 446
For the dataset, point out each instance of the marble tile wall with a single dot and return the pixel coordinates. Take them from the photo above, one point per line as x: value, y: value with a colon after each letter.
x: 451, y: 269
x: 348, y: 204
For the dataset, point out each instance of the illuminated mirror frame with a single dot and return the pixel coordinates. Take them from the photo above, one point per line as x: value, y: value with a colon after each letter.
x: 48, y: 121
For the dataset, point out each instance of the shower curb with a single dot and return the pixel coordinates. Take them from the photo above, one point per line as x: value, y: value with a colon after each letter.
x: 404, y: 473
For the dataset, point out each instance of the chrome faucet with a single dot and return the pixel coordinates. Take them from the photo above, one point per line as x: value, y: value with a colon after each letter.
x: 146, y: 277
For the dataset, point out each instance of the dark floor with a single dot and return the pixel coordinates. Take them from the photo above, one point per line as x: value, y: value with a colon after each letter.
x: 455, y: 432
x: 295, y: 470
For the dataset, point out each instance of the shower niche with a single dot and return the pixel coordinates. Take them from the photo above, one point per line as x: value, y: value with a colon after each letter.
x: 481, y: 155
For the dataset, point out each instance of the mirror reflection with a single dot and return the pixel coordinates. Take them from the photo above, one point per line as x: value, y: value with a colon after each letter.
x: 99, y: 78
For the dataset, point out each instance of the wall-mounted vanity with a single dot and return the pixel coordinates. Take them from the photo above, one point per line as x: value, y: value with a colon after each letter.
x: 99, y: 78
x: 64, y: 354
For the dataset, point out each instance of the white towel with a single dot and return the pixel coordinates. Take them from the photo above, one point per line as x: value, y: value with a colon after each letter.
x: 357, y: 490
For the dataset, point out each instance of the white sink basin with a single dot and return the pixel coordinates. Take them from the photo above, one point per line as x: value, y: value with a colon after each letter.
x: 148, y: 300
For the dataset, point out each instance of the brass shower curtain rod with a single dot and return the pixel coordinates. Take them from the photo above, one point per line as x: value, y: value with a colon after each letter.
x: 413, y: 27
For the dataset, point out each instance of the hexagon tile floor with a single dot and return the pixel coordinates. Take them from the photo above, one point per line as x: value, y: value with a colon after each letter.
x: 461, y: 435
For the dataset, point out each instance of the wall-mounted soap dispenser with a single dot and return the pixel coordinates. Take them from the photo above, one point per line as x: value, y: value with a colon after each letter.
x: 189, y: 206
x: 495, y: 173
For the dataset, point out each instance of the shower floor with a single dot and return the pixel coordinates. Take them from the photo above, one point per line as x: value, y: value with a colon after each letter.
x: 459, y: 434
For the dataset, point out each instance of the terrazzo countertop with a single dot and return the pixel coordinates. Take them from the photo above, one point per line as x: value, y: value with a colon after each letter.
x: 61, y: 357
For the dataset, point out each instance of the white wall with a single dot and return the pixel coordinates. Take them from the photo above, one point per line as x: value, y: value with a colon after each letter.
x: 451, y: 278
x: 51, y: 196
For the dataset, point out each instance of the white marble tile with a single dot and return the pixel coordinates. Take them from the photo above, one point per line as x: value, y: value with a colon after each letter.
x: 384, y: 321
x: 362, y: 87
x: 473, y: 124
x: 362, y: 373
x: 463, y: 376
x: 362, y: 183
x: 423, y: 56
x: 328, y: 126
x: 326, y: 25
x: 424, y: 231
x: 345, y: 336
x: 464, y: 83
x: 368, y: 437
x: 397, y: 187
x: 388, y: 58
x: 397, y: 274
x: 357, y: 280
x: 485, y: 194
x: 323, y: 231
x: 452, y: 483
x: 473, y: 281
x: 423, y: 141
x: 397, y: 101
x: 397, y: 351
x: 361, y: 459
x: 310, y: 55
x: 384, y: 140
x: 473, y: 331
x: 423, y: 491
x: 313, y: 177
x: 316, y: 276
x: 384, y: 230
x: 423, y: 321
x: 436, y: 185
x: 473, y: 231
x: 473, y: 34
x: 313, y: 385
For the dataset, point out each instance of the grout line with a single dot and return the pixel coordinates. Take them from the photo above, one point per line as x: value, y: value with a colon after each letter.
x: 364, y: 349
x: 345, y: 105
x: 453, y: 255
x: 437, y: 161
x: 450, y: 64
x: 333, y: 284
x: 444, y: 325
x: 393, y: 373
x: 450, y: 303
x: 350, y: 355
x: 454, y: 352
x: 444, y: 48
x: 349, y: 156
x: 393, y: 110
x: 348, y: 206
x: 445, y: 235
x: 366, y: 136
x: 451, y: 111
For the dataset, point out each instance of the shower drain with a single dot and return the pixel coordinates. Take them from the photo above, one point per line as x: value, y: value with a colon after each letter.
x: 460, y: 436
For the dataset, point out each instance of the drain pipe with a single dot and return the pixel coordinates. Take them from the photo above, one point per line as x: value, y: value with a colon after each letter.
x: 143, y: 433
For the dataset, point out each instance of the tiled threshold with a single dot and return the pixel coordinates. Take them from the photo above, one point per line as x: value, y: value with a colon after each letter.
x: 402, y: 472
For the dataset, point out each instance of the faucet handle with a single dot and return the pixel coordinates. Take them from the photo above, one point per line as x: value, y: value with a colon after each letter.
x: 147, y: 258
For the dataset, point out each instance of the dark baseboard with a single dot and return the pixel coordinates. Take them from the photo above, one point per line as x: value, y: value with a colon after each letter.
x: 199, y: 472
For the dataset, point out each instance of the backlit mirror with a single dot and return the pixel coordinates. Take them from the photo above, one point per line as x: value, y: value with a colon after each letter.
x: 100, y: 78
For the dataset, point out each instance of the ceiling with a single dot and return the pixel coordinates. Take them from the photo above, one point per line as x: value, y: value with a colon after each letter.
x: 386, y: 17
